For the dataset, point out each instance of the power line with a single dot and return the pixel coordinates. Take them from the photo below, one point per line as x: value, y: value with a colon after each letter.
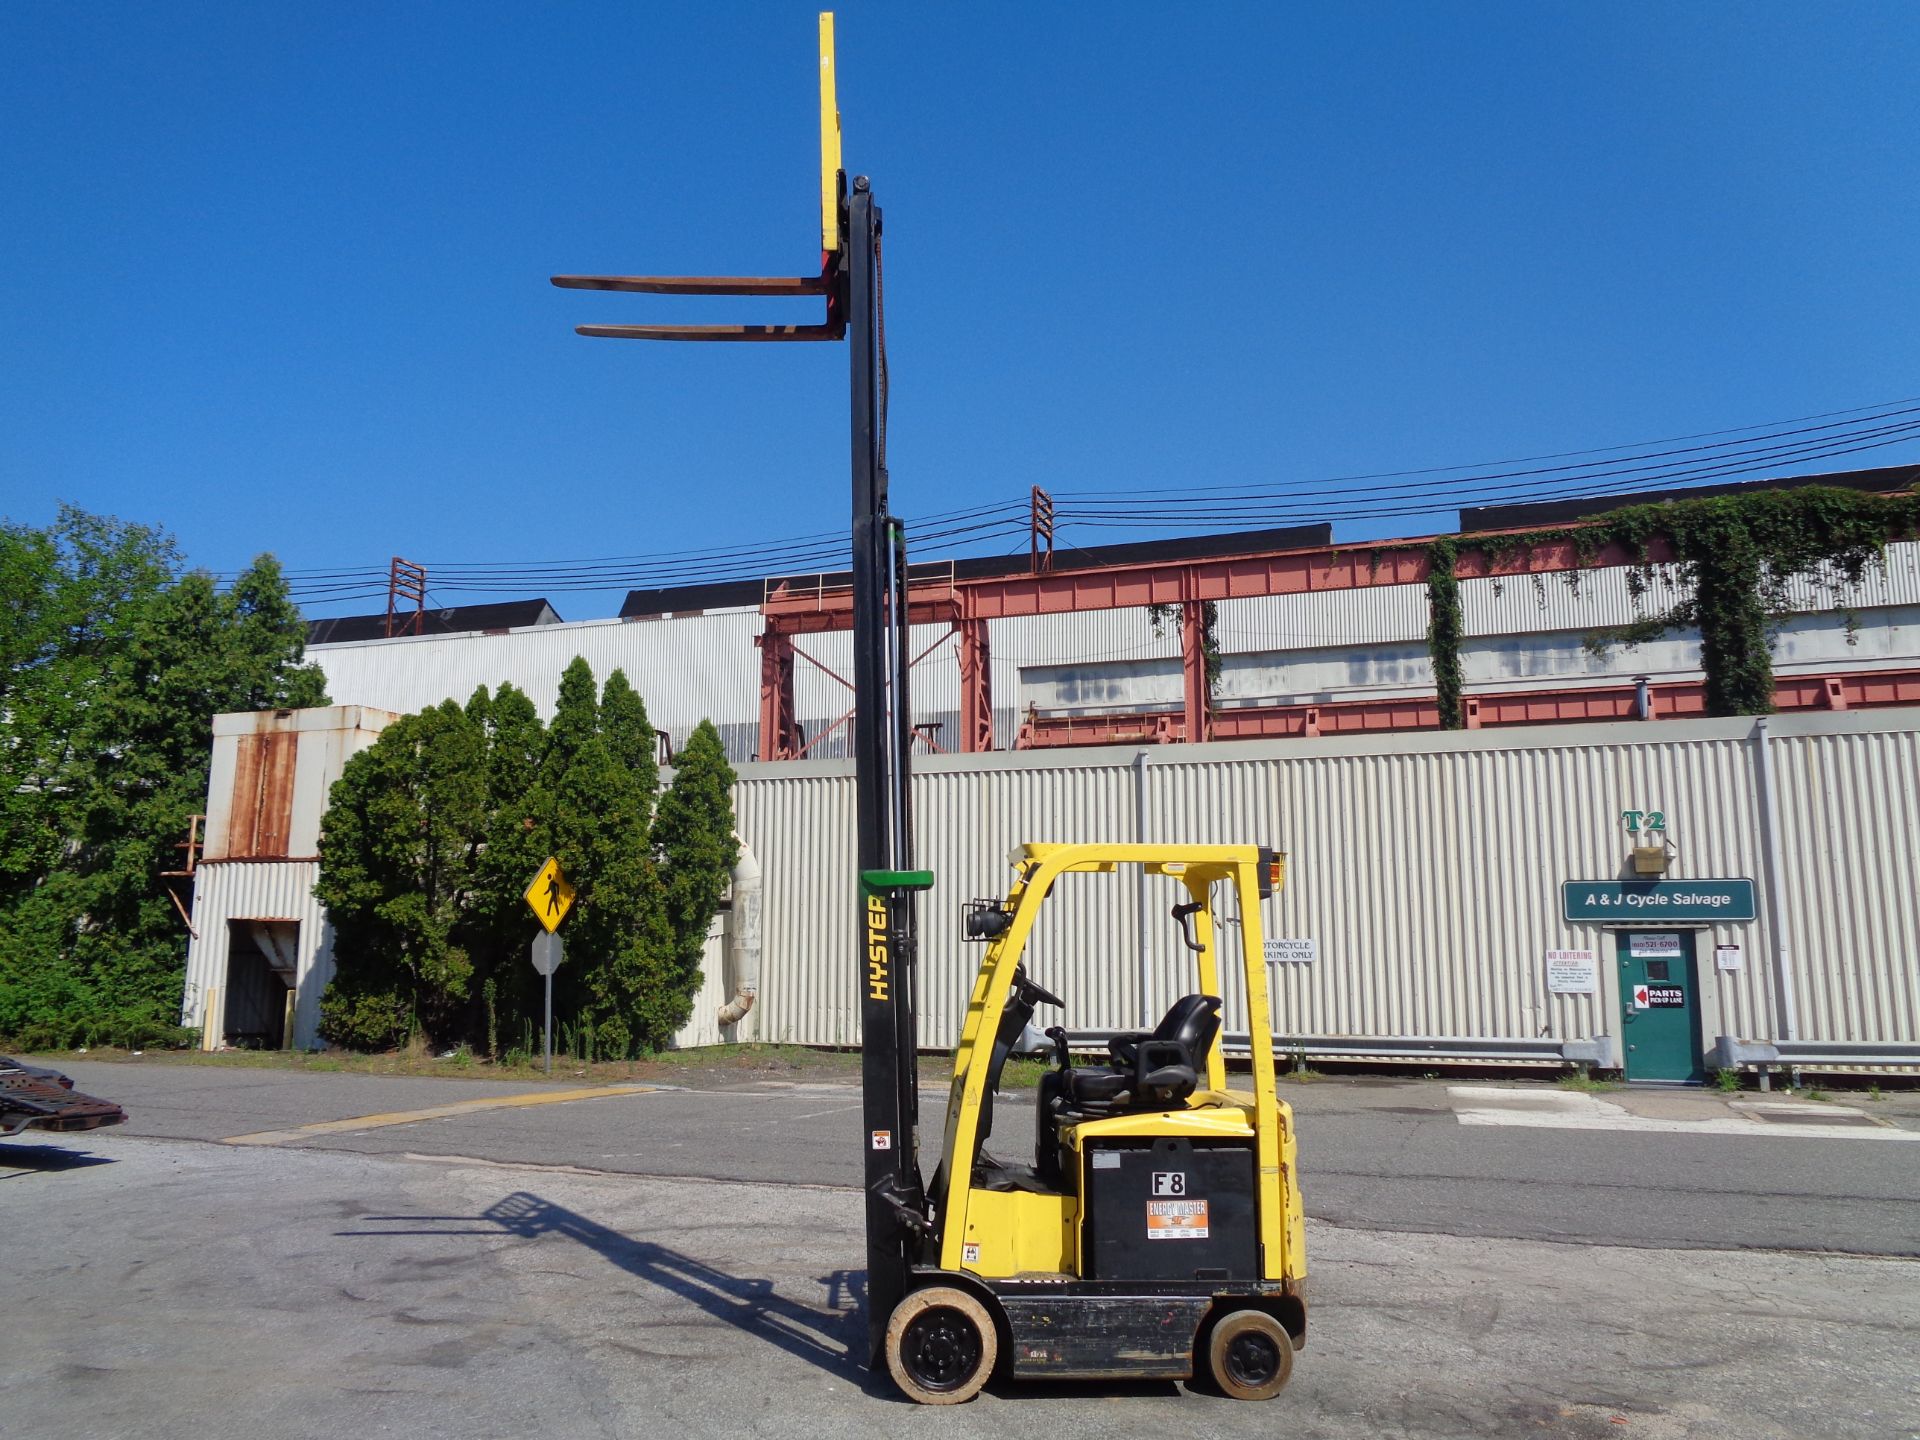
x: 1587, y: 474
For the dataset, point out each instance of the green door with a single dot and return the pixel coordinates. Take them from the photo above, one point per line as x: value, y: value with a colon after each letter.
x: 1659, y: 1012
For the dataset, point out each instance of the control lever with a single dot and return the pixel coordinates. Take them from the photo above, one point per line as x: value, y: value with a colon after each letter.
x: 1183, y: 913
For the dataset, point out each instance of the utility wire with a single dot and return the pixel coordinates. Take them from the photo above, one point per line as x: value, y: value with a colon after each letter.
x: 1592, y: 473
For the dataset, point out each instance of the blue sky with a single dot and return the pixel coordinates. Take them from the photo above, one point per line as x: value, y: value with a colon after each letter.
x: 274, y: 276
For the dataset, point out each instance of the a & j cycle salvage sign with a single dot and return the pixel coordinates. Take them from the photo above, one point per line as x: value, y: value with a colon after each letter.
x: 1657, y: 902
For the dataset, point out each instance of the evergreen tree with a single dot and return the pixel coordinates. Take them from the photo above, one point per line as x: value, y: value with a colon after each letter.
x: 583, y: 790
x: 516, y: 846
x: 630, y: 736
x: 598, y: 829
x: 398, y: 847
x: 693, y: 836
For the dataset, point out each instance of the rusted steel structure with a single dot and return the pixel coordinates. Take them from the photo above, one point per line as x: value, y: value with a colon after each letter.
x: 406, y: 581
x: 966, y: 603
x: 1686, y: 700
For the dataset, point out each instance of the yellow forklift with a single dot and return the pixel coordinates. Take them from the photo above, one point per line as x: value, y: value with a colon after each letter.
x: 1159, y: 1223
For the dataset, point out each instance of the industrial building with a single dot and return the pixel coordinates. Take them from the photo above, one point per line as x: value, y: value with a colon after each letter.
x: 1426, y: 906
x: 1020, y: 657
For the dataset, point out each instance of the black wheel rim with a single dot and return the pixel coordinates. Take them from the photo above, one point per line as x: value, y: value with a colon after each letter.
x: 941, y: 1348
x: 1253, y: 1359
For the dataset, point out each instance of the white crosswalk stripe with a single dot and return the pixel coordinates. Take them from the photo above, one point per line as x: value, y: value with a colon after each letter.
x: 1573, y: 1110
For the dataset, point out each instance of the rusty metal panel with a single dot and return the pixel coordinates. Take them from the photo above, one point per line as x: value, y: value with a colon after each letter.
x: 273, y: 807
x: 270, y: 775
x: 243, y: 802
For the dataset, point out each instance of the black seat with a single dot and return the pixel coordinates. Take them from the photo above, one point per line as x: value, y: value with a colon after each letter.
x: 1192, y: 1021
x: 1154, y: 1070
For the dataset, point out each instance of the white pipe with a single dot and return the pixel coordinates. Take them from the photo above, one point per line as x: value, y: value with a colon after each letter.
x: 743, y: 936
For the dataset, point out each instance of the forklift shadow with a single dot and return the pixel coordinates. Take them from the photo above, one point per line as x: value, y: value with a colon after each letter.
x: 831, y: 1336
x: 18, y: 1160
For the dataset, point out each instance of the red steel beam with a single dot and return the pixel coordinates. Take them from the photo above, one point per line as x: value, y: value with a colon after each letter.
x: 1164, y: 582
x: 1196, y: 701
x: 779, y: 726
x: 976, y: 687
x: 1677, y: 700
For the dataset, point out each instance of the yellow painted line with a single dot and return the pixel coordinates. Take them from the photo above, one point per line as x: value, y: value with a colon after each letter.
x: 435, y: 1112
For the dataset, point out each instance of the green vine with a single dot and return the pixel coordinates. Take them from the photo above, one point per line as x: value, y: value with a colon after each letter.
x: 1172, y: 613
x: 1734, y: 559
x: 1446, y: 623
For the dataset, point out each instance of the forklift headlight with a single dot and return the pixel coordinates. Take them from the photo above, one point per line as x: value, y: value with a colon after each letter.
x: 986, y: 919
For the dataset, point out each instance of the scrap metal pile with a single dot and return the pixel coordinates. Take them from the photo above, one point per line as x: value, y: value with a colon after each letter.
x: 35, y: 1098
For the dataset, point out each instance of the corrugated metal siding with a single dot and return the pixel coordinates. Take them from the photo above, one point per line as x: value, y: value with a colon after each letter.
x: 1897, y: 582
x: 1427, y: 868
x: 258, y: 890
x: 702, y: 1028
x: 1850, y: 804
x: 1322, y: 646
x: 687, y: 669
x: 799, y: 821
x: 1526, y: 605
x: 1430, y: 880
x: 1377, y: 615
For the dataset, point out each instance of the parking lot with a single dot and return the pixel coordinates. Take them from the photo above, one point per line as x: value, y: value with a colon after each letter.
x: 273, y: 1253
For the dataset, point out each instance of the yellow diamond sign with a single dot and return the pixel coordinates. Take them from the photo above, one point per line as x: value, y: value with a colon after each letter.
x: 550, y: 895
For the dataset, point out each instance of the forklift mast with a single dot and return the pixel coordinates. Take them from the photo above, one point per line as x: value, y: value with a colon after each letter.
x: 883, y: 741
x: 850, y: 279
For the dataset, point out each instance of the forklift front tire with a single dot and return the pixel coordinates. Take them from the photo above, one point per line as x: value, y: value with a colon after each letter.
x: 1251, y: 1355
x: 941, y: 1345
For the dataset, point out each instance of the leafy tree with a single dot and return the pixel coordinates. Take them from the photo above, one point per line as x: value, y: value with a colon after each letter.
x: 114, y: 671
x: 74, y: 592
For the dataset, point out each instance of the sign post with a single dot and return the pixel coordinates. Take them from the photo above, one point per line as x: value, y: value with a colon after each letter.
x: 547, y: 955
x: 550, y: 897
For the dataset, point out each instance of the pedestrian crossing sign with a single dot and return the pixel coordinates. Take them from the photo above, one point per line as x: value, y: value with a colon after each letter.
x: 550, y: 895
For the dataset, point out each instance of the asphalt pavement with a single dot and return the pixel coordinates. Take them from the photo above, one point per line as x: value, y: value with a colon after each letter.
x: 166, y: 1288
x: 1379, y: 1154
x: 265, y: 1252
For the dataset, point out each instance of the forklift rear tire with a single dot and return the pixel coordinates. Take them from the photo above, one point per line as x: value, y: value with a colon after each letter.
x: 941, y: 1345
x: 1251, y: 1355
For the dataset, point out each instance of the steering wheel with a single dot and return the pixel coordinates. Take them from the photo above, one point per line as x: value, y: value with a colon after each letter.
x: 1035, y: 994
